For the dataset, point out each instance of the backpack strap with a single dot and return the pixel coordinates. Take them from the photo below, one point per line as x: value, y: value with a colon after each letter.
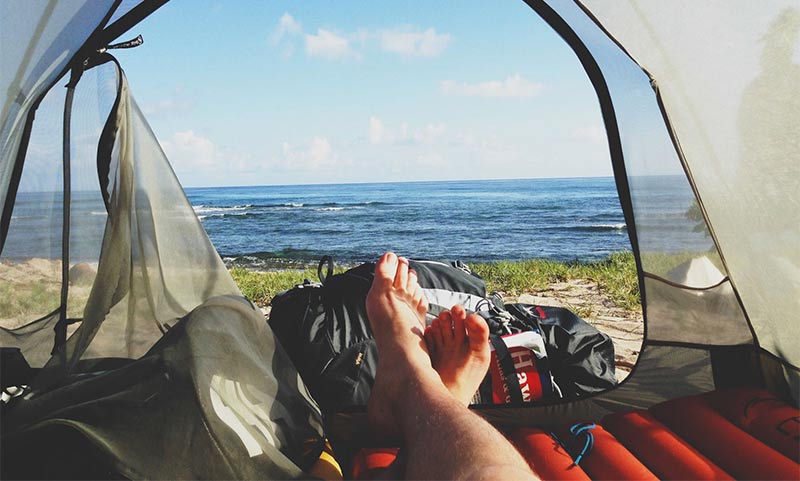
x: 507, y: 367
x: 325, y: 260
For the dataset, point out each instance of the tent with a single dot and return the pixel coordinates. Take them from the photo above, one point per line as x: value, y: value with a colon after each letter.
x: 144, y: 354
x: 142, y: 347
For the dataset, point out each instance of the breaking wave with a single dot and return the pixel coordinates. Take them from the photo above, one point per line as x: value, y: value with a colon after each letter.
x: 597, y: 227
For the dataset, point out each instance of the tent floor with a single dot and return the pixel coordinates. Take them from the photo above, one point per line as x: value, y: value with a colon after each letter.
x: 55, y: 452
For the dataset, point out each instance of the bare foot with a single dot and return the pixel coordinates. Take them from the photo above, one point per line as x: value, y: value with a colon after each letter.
x: 396, y: 309
x: 459, y: 348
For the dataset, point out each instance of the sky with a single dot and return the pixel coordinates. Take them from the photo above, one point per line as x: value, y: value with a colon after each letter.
x: 266, y: 93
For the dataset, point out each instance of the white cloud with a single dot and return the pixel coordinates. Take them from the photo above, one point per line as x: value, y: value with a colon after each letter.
x: 429, y: 133
x: 199, y: 161
x: 377, y: 132
x: 414, y: 42
x: 320, y: 150
x: 328, y: 44
x: 287, y: 26
x: 513, y: 87
x: 592, y: 133
x: 187, y: 149
x: 314, y: 154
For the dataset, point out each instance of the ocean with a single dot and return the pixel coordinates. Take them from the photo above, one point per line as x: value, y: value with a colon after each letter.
x: 474, y: 221
x: 487, y: 220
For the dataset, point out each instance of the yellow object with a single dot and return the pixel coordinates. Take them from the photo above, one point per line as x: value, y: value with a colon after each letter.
x: 326, y: 466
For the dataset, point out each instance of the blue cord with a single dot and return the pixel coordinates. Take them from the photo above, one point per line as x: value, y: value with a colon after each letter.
x: 578, y: 430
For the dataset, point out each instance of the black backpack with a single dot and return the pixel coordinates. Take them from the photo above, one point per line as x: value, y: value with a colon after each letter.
x: 324, y: 328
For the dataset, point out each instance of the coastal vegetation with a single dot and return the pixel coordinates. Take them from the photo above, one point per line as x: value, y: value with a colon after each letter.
x: 34, y: 287
x: 615, y: 276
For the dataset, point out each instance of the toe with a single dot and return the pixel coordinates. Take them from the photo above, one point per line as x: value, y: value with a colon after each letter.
x: 386, y: 268
x: 401, y: 275
x: 446, y: 327
x: 477, y: 332
x: 436, y: 332
x: 459, y: 332
x: 430, y: 341
x: 422, y: 307
x: 415, y: 294
x: 412, y: 284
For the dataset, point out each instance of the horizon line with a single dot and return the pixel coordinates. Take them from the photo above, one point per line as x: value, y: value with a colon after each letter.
x: 400, y: 182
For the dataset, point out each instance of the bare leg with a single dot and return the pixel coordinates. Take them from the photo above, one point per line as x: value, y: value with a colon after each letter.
x: 459, y: 348
x: 441, y: 437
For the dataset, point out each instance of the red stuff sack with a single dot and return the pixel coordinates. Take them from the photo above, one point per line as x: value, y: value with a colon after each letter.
x: 518, y: 371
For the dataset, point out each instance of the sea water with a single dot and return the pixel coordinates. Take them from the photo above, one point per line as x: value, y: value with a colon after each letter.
x: 487, y: 220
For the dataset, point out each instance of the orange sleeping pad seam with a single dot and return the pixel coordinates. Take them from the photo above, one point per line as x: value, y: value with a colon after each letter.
x: 761, y: 414
x: 545, y: 455
x: 727, y: 445
x: 610, y: 459
x: 661, y: 450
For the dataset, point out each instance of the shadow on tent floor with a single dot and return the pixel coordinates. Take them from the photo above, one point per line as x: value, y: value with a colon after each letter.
x: 56, y: 452
x: 725, y: 434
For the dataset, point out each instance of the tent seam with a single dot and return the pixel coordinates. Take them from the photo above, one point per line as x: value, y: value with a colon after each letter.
x: 684, y: 286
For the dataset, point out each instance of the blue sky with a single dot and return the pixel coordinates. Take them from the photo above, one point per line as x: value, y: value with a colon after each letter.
x: 251, y: 93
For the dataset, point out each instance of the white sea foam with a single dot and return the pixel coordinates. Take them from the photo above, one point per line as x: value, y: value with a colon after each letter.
x: 208, y: 210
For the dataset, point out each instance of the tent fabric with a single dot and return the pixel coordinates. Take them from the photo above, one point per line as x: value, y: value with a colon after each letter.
x: 164, y: 358
x: 661, y: 198
x: 32, y: 253
x: 712, y: 309
x: 728, y: 85
x: 204, y: 403
x: 39, y: 39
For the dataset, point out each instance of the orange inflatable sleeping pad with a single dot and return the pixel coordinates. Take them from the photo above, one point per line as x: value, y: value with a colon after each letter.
x: 370, y: 462
x: 761, y: 414
x: 661, y: 450
x: 545, y: 456
x: 727, y: 445
x: 609, y: 459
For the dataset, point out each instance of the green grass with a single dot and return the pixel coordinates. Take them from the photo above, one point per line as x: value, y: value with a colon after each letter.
x: 36, y: 298
x: 615, y: 276
x: 260, y: 287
